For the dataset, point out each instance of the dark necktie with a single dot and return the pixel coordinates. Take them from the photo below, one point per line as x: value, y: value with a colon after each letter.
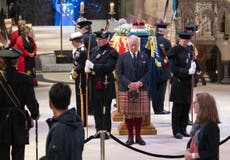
x: 134, y: 61
x: 135, y: 65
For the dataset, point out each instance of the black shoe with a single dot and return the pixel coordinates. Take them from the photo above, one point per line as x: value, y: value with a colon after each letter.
x: 185, y: 134
x: 190, y: 122
x: 140, y: 141
x: 178, y: 136
x: 129, y: 141
x: 163, y: 112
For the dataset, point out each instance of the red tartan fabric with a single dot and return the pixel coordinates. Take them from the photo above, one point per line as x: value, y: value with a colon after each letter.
x: 139, y: 108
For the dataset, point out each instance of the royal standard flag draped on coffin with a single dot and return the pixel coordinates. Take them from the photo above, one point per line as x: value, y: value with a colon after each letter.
x: 155, y: 66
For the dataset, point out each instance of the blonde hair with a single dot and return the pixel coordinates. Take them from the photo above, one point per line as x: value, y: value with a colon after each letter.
x: 208, y: 110
x: 21, y: 22
x: 26, y: 28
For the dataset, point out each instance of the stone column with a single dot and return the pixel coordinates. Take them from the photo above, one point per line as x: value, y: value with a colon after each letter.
x: 226, y: 79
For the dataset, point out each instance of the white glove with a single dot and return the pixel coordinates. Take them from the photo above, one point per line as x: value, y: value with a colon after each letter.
x: 89, y: 64
x: 192, y: 69
x: 193, y: 64
x: 87, y: 69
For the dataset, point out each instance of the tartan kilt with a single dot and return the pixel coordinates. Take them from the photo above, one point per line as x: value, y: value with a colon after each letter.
x: 139, y: 108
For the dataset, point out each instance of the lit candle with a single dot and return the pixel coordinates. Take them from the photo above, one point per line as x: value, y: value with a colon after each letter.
x: 82, y: 7
x: 111, y: 7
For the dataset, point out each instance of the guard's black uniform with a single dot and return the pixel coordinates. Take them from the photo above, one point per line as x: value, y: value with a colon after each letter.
x: 180, y: 62
x: 102, y: 87
x: 158, y: 106
x: 92, y: 37
x: 87, y: 33
x: 93, y: 43
x: 79, y: 58
x: 12, y: 122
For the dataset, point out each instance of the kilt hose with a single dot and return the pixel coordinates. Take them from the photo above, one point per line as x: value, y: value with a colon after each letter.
x: 136, y: 109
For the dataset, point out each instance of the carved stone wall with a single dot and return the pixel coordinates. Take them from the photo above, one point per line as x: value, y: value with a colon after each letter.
x: 207, y: 13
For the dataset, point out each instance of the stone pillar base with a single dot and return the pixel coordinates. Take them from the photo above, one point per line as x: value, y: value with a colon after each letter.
x: 226, y: 79
x: 145, y: 129
x: 117, y: 116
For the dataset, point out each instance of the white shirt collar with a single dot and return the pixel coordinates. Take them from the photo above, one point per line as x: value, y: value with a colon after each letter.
x: 131, y: 53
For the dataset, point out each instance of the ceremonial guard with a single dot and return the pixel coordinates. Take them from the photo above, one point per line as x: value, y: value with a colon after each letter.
x: 182, y: 67
x: 133, y: 73
x: 16, y: 91
x: 163, y: 46
x: 194, y: 51
x: 89, y: 40
x: 78, y: 73
x: 86, y: 29
x: 197, y: 57
x: 100, y: 66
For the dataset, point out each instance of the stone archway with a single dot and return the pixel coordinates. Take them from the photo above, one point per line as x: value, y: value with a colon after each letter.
x: 214, y: 69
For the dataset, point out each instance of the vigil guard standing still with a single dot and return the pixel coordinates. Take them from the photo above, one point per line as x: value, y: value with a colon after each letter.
x: 79, y: 57
x: 100, y: 66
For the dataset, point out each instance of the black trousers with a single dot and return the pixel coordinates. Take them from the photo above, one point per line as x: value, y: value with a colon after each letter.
x: 79, y: 102
x: 158, y: 106
x: 180, y: 117
x: 102, y: 111
x: 17, y: 152
x: 90, y: 98
x: 102, y: 117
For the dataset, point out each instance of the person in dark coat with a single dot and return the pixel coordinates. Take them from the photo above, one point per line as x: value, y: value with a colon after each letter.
x: 65, y: 140
x: 89, y: 40
x: 133, y: 73
x: 163, y: 46
x: 205, y: 133
x: 14, y: 133
x: 86, y: 29
x: 100, y: 67
x: 199, y: 75
x: 78, y: 73
x: 182, y: 67
x: 191, y: 45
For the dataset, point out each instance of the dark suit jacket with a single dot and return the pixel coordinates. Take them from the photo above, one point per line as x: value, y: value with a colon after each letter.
x: 127, y: 73
x: 161, y: 40
x: 104, y: 59
x: 179, y: 63
x: 12, y: 121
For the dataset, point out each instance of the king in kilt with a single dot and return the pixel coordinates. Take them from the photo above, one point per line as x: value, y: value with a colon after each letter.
x: 133, y: 73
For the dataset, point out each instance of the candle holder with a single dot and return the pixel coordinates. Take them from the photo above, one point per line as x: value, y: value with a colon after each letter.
x: 112, y: 16
x: 81, y: 18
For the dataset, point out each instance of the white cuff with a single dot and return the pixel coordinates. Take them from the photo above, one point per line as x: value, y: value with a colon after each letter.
x: 193, y: 155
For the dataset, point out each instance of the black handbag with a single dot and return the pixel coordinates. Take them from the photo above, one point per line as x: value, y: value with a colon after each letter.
x: 14, y: 99
x: 133, y: 95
